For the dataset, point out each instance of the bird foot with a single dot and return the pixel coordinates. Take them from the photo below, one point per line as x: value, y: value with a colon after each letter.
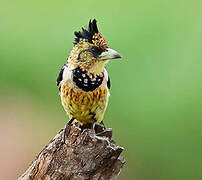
x: 106, y: 133
x: 100, y: 130
x: 66, y: 131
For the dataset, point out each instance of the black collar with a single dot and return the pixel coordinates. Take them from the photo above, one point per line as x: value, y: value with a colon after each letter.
x: 87, y: 81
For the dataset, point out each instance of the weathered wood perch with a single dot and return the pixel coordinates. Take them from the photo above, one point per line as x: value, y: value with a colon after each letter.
x: 85, y: 155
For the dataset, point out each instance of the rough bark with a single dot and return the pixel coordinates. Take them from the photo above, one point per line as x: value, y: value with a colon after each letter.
x: 85, y: 155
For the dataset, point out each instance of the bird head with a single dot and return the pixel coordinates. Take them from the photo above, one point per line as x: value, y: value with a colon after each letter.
x: 91, y: 51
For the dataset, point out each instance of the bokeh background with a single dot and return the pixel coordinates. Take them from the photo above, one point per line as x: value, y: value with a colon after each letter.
x: 155, y: 107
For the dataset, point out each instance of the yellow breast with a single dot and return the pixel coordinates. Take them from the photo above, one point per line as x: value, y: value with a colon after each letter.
x: 85, y: 107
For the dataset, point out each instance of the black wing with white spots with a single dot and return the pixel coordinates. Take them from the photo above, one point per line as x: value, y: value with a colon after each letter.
x: 109, y: 83
x: 59, y: 78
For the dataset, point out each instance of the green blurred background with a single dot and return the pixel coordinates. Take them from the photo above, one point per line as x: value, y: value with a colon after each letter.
x: 155, y: 107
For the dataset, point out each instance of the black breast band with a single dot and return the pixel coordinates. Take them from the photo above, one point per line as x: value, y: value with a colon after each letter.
x: 87, y: 81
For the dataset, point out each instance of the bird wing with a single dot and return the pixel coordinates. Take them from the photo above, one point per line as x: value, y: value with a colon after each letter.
x: 60, y: 76
x: 108, y: 83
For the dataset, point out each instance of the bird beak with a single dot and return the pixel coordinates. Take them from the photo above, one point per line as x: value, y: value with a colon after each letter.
x: 109, y: 54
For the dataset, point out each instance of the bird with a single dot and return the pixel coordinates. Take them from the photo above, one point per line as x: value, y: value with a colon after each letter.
x: 83, y: 80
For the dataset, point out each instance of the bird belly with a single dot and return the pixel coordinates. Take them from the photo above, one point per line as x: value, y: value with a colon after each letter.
x: 85, y: 107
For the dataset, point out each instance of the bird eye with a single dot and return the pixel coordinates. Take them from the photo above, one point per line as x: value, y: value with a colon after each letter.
x: 96, y: 51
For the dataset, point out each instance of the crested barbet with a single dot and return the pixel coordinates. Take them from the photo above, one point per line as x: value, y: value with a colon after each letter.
x: 83, y: 81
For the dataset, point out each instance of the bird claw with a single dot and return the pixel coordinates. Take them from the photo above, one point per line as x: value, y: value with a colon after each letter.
x: 100, y: 130
x: 106, y: 133
x: 66, y: 131
x: 93, y: 126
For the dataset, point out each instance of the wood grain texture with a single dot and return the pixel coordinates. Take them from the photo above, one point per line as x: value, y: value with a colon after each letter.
x: 85, y: 155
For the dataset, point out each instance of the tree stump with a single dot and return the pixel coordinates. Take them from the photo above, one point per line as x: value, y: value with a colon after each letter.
x: 84, y: 155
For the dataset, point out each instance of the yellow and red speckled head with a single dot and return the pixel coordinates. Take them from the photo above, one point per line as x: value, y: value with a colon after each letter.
x: 99, y: 41
x: 90, y: 51
x: 92, y: 35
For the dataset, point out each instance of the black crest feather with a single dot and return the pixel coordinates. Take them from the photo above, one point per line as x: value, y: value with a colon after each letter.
x: 87, y: 34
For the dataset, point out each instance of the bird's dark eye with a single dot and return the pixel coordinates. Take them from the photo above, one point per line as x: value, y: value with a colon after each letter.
x: 96, y: 51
